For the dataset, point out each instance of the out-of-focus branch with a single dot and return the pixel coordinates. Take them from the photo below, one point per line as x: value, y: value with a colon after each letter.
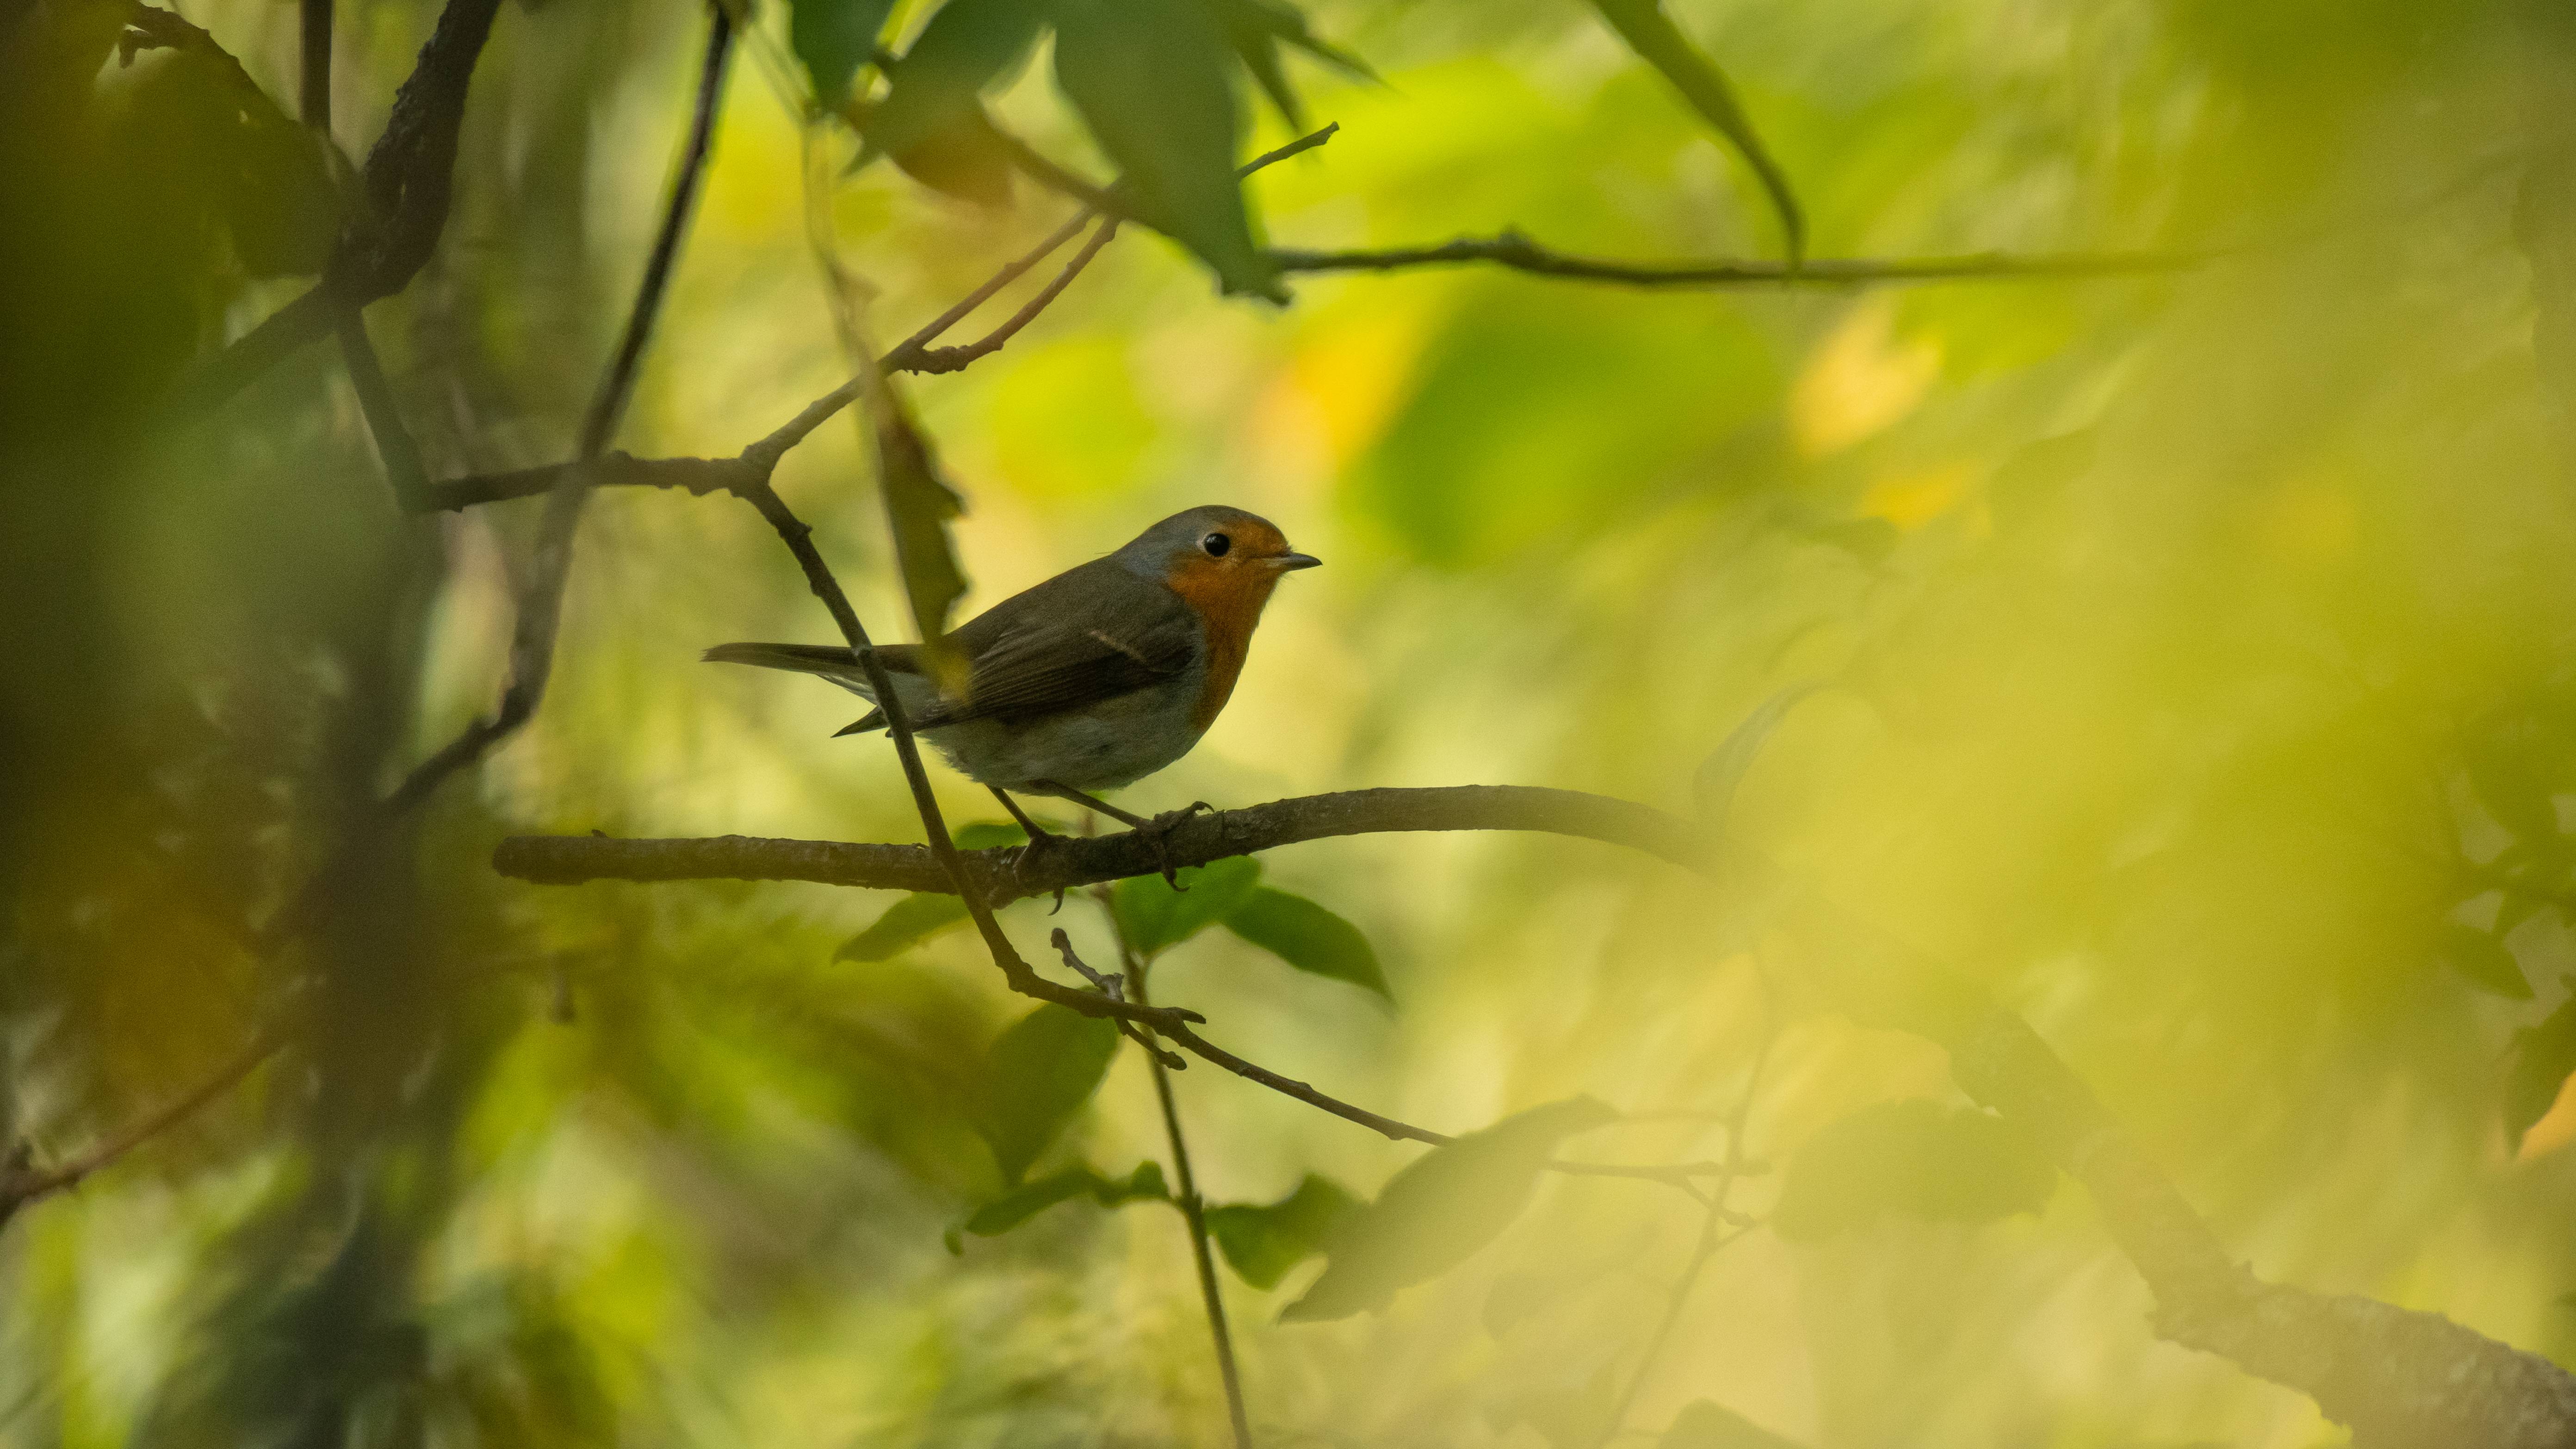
x: 405, y: 185
x: 2398, y: 1377
x: 313, y: 91
x: 22, y: 1183
x: 395, y: 446
x: 532, y: 643
x: 1517, y: 252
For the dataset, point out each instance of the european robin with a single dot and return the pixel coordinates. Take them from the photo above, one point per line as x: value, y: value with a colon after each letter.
x: 1092, y: 680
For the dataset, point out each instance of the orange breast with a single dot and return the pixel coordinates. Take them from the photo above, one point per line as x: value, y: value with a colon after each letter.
x: 1229, y: 603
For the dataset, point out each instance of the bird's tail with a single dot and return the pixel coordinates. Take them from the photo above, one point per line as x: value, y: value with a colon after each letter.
x: 835, y: 662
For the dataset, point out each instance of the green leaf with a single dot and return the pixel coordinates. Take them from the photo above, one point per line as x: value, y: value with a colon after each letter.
x: 1440, y: 1209
x: 1261, y: 1242
x: 1915, y: 1159
x: 1152, y: 80
x: 915, y: 917
x: 918, y: 504
x: 1040, y: 1071
x: 1014, y: 1208
x: 1661, y: 44
x: 968, y: 45
x: 1705, y: 1425
x: 834, y: 38
x: 2543, y: 1058
x: 2485, y: 960
x: 1155, y: 918
x: 1308, y: 937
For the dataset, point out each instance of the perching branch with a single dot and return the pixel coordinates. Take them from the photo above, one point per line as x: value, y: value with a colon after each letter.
x: 569, y: 859
x: 2398, y: 1377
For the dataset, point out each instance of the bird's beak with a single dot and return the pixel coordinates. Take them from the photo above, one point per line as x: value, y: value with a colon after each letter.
x: 1290, y: 562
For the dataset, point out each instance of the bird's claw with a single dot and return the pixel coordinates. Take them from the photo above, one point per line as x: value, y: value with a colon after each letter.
x: 1026, y: 857
x: 1160, y: 828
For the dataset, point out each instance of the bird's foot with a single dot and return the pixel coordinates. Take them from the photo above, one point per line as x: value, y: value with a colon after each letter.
x: 1024, y: 861
x: 1158, y: 830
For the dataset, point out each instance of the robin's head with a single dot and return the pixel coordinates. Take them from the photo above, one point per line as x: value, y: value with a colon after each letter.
x: 1215, y: 550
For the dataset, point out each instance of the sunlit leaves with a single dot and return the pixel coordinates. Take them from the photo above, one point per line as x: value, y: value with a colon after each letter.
x: 1440, y: 1209
x: 1155, y: 917
x: 833, y: 38
x: 1262, y: 1241
x: 1018, y: 1206
x: 2543, y: 1058
x: 1308, y: 937
x: 911, y: 919
x: 1039, y: 1072
x: 1706, y: 1425
x: 1661, y: 44
x: 1152, y: 79
x: 1915, y: 1159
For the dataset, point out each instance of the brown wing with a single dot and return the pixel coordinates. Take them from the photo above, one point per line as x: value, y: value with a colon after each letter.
x: 1089, y: 634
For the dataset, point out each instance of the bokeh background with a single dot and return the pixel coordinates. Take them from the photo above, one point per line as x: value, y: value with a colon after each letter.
x: 2184, y: 655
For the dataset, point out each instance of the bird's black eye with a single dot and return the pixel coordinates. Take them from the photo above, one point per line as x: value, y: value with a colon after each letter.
x: 1216, y: 545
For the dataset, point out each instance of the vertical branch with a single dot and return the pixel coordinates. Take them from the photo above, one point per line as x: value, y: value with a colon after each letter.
x: 1192, y: 1209
x: 532, y: 643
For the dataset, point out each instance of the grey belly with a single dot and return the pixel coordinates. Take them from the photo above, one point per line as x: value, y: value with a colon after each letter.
x: 1111, y: 744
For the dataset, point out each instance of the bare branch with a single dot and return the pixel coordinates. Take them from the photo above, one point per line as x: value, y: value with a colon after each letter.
x: 1513, y: 250
x: 957, y: 359
x: 567, y: 859
x: 21, y: 1184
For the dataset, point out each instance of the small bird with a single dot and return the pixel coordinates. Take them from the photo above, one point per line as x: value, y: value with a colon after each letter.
x: 1092, y: 680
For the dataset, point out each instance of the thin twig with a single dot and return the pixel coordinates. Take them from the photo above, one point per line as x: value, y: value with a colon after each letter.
x: 1193, y: 1210
x: 1519, y: 253
x: 20, y: 1186
x: 957, y: 359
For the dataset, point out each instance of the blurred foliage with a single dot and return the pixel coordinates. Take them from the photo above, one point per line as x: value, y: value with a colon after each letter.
x: 2185, y: 657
